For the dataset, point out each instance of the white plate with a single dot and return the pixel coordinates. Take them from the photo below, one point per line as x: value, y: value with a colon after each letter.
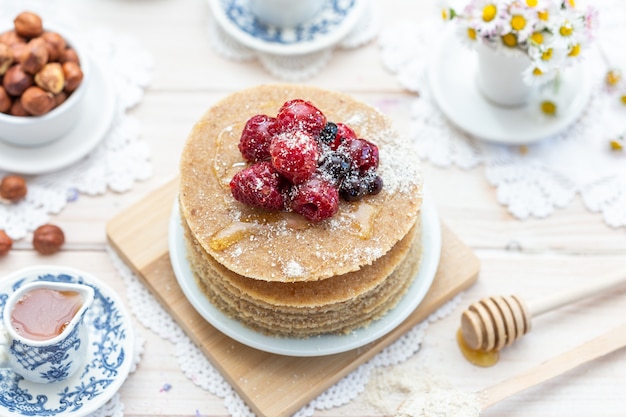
x: 331, y: 24
x: 94, y: 123
x: 319, y: 345
x: 108, y: 362
x: 452, y: 78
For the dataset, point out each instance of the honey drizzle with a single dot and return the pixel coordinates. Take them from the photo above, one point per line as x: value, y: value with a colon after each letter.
x: 477, y: 357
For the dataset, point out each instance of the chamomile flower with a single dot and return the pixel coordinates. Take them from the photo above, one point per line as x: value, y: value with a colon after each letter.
x: 468, y: 34
x: 487, y: 16
x: 519, y: 21
x: 539, y: 74
x: 568, y: 28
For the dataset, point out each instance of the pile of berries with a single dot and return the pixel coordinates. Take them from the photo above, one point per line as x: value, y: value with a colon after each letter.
x: 303, y: 163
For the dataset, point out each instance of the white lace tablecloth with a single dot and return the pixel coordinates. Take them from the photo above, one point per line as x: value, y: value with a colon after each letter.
x: 119, y: 160
x: 533, y: 180
x: 294, y: 67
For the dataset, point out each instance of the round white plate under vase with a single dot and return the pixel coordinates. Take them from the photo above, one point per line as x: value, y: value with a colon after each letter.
x: 94, y: 123
x: 452, y: 80
x: 107, y: 365
x: 319, y: 345
x: 334, y: 22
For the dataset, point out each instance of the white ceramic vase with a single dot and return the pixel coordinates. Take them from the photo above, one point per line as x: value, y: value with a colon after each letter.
x: 499, y: 76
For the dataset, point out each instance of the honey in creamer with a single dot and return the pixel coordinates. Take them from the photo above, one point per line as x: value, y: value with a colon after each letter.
x: 44, y: 313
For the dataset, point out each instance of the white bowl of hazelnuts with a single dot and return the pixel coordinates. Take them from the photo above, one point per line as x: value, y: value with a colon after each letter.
x: 43, y: 78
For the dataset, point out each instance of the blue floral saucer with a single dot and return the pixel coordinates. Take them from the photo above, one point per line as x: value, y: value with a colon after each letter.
x: 107, y: 364
x: 336, y: 19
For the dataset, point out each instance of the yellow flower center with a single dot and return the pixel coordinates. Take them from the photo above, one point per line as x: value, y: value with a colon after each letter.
x: 537, y: 38
x: 613, y: 77
x: 567, y: 29
x: 543, y: 15
x: 531, y: 3
x: 616, y: 145
x: 510, y: 40
x: 518, y: 22
x: 623, y: 99
x: 572, y: 3
x: 489, y: 12
x: 575, y: 51
x: 444, y: 14
x: 547, y: 54
x: 548, y: 107
x: 537, y: 72
x: 471, y: 33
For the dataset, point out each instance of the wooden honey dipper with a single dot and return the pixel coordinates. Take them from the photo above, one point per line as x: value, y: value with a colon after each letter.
x: 496, y: 322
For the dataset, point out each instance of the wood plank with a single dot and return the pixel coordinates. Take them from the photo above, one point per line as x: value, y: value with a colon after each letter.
x: 272, y: 385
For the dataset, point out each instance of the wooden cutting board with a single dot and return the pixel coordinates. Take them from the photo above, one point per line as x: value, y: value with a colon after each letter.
x: 272, y: 385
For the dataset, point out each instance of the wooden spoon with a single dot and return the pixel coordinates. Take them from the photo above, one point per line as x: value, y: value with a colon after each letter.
x: 452, y: 402
x: 496, y: 322
x: 595, y: 348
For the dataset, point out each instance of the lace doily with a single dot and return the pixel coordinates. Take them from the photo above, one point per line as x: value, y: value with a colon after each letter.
x: 291, y: 67
x: 532, y: 180
x: 119, y: 160
x: 199, y: 370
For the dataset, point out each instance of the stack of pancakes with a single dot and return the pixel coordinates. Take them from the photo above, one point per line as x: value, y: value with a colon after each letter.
x: 276, y: 272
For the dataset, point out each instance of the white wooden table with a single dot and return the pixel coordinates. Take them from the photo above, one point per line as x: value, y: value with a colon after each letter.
x: 531, y: 257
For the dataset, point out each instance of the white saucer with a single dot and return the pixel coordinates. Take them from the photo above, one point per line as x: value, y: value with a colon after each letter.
x: 319, y: 345
x: 334, y: 22
x: 452, y: 79
x: 94, y: 123
x: 106, y: 367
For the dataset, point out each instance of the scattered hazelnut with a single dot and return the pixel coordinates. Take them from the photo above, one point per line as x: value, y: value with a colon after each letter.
x: 13, y: 187
x: 69, y: 55
x: 28, y: 25
x: 37, y: 101
x: 15, y: 80
x: 51, y: 78
x: 5, y: 243
x: 17, y: 109
x: 55, y: 44
x: 6, y: 58
x: 34, y: 56
x: 5, y: 101
x: 18, y: 50
x: 48, y: 239
x: 73, y: 76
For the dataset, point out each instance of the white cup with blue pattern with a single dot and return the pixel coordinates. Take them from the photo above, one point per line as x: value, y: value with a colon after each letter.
x: 285, y: 13
x: 49, y: 358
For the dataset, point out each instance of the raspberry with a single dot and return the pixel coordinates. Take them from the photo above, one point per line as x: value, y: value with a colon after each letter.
x: 316, y: 199
x: 256, y: 137
x: 301, y: 115
x: 345, y: 133
x: 294, y: 154
x: 364, y: 154
x: 259, y: 185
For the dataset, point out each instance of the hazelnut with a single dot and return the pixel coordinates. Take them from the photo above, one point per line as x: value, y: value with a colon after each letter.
x: 6, y: 58
x: 60, y: 98
x: 55, y: 44
x: 48, y: 239
x: 37, y: 101
x: 18, y: 50
x: 28, y: 25
x: 5, y: 101
x: 5, y: 243
x: 73, y: 76
x: 51, y: 78
x: 15, y: 80
x: 11, y: 37
x: 34, y: 56
x: 13, y: 187
x: 69, y: 55
x: 17, y: 109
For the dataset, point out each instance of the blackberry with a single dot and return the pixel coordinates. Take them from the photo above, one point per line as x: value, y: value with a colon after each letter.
x: 328, y: 136
x: 335, y: 166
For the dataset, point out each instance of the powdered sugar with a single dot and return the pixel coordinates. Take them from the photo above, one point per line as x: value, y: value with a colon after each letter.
x: 294, y: 269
